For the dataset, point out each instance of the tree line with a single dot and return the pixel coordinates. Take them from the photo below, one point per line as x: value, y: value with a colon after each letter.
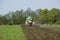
x: 42, y: 16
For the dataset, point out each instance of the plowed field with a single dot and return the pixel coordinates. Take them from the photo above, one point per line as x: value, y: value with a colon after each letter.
x: 41, y: 33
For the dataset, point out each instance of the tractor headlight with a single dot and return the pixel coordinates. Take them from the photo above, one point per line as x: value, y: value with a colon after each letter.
x: 30, y: 21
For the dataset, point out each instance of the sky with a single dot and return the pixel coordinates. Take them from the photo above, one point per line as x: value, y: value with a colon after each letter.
x: 13, y: 5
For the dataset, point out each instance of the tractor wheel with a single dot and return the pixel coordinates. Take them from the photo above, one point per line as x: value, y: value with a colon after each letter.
x: 30, y: 24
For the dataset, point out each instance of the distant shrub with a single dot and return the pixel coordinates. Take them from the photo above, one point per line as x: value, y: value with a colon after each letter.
x: 50, y: 23
x: 57, y: 22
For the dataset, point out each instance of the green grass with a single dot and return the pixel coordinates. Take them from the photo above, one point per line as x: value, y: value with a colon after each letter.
x: 11, y: 32
x: 50, y: 25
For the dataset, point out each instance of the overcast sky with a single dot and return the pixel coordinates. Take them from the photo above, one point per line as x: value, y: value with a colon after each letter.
x: 13, y: 5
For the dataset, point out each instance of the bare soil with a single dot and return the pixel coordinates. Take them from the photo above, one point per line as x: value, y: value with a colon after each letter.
x: 41, y: 33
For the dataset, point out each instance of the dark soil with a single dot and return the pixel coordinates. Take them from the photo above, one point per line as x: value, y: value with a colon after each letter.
x: 41, y: 33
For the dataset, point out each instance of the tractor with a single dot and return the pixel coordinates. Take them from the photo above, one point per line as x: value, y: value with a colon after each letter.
x: 29, y: 21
